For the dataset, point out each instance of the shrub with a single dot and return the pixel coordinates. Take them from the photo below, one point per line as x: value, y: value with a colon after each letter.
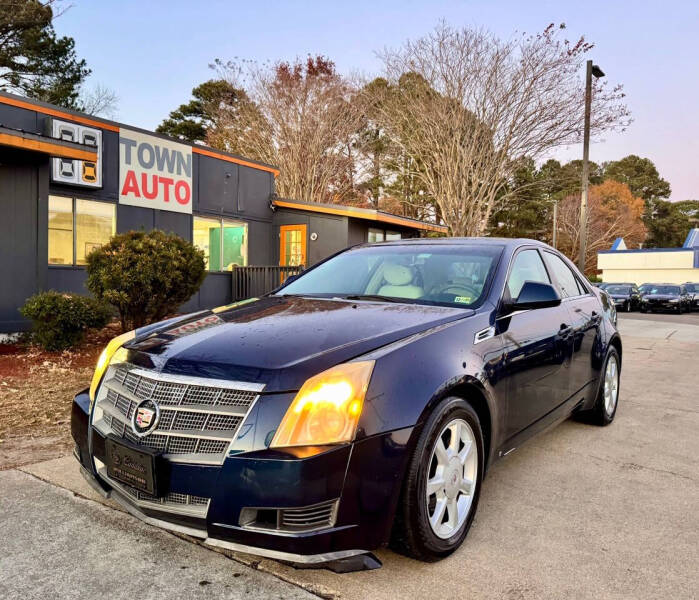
x: 61, y: 320
x: 145, y: 275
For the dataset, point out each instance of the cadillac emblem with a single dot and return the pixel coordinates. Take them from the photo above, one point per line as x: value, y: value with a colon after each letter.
x: 145, y: 418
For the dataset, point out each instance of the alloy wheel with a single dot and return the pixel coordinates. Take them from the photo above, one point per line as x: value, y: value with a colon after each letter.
x: 451, y: 478
x: 611, y: 385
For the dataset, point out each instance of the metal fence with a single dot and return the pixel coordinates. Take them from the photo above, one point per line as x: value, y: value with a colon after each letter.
x: 250, y: 282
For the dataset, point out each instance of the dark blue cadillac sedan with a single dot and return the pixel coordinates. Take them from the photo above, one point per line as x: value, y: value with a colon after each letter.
x: 361, y: 403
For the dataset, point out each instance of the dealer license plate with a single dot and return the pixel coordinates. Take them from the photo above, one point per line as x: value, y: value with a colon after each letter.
x: 134, y: 467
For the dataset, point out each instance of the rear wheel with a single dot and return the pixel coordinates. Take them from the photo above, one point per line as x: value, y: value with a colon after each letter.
x: 442, y: 485
x: 604, y: 410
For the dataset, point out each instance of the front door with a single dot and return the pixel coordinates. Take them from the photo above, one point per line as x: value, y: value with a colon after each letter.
x: 292, y: 245
x: 537, y: 349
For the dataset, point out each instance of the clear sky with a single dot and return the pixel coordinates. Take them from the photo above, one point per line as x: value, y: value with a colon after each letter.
x: 154, y: 52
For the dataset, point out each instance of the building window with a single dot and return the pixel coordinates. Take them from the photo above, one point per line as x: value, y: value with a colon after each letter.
x: 225, y: 243
x: 380, y: 235
x: 76, y: 227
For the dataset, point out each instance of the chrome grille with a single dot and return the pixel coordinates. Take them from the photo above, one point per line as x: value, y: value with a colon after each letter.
x: 198, y: 420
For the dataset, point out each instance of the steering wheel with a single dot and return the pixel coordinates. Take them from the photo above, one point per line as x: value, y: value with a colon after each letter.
x: 458, y: 289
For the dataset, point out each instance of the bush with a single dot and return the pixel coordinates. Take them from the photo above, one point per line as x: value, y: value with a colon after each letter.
x: 61, y: 320
x: 145, y: 275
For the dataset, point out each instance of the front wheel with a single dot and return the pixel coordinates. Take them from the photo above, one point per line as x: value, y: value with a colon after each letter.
x: 442, y: 484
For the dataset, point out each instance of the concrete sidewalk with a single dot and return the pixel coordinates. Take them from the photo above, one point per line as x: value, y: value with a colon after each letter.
x: 58, y: 545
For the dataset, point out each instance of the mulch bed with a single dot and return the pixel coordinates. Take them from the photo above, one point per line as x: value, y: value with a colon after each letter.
x: 36, y: 391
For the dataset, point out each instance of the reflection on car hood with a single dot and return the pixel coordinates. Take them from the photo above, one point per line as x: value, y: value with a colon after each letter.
x: 282, y: 341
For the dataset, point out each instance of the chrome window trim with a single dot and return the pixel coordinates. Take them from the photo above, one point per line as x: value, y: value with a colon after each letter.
x: 574, y: 272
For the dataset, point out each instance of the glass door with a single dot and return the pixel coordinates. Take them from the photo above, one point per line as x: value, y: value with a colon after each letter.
x: 292, y: 245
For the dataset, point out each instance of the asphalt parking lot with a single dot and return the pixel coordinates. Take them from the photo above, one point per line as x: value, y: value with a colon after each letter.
x: 578, y: 512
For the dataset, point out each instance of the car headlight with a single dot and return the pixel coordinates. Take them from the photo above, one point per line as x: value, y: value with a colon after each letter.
x: 326, y: 409
x: 109, y: 355
x: 674, y: 301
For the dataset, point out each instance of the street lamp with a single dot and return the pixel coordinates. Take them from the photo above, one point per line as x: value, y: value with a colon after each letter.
x: 597, y: 72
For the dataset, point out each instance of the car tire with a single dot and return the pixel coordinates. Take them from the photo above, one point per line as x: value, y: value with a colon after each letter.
x: 418, y: 530
x: 604, y: 411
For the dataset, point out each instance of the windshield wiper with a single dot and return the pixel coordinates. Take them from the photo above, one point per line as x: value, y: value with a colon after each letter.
x: 374, y: 297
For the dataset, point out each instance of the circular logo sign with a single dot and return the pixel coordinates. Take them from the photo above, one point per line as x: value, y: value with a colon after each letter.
x: 145, y: 418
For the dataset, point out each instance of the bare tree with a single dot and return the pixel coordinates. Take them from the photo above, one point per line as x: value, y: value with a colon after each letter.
x: 99, y: 100
x: 300, y: 117
x: 468, y: 108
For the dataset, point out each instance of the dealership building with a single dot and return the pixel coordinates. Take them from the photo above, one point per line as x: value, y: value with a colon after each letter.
x: 69, y: 181
x: 651, y: 265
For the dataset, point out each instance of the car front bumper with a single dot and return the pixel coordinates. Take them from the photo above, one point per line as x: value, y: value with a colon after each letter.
x: 362, y: 479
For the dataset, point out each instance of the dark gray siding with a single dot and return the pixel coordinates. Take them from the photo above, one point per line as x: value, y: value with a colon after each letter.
x: 19, y: 118
x: 332, y: 232
x: 20, y: 272
x: 67, y: 279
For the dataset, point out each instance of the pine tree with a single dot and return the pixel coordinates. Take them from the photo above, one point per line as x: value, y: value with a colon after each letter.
x: 34, y: 62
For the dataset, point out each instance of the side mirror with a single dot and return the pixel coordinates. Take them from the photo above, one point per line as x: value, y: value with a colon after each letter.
x: 535, y: 295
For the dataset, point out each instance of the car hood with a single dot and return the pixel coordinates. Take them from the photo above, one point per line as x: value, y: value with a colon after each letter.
x: 620, y: 296
x: 281, y: 341
x: 660, y: 297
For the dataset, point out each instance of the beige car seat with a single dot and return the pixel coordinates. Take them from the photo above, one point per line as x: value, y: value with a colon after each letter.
x: 399, y: 282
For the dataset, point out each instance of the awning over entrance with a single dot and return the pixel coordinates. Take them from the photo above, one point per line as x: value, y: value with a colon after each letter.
x: 16, y: 138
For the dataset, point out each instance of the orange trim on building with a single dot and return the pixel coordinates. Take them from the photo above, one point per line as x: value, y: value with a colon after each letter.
x: 17, y: 141
x: 57, y: 113
x: 233, y: 159
x: 102, y: 125
x: 361, y: 214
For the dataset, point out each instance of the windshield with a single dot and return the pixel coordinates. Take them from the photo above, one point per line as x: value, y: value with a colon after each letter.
x: 646, y: 287
x: 618, y: 289
x: 692, y: 288
x: 671, y: 290
x: 449, y: 275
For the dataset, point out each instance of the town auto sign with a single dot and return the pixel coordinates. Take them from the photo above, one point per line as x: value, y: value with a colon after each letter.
x: 154, y: 172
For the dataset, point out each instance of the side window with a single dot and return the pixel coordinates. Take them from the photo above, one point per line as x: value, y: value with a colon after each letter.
x: 567, y: 282
x: 527, y: 266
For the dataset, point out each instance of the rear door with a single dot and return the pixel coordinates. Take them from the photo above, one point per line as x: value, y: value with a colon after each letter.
x: 584, y: 313
x: 537, y: 347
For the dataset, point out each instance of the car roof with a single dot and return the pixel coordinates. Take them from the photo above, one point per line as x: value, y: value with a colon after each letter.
x: 455, y: 241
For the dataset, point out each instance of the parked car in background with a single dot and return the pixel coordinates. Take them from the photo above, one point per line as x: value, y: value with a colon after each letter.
x: 361, y: 402
x: 644, y: 288
x: 693, y: 291
x: 626, y: 297
x: 666, y: 297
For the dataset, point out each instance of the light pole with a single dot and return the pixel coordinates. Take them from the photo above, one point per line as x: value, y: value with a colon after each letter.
x: 597, y: 72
